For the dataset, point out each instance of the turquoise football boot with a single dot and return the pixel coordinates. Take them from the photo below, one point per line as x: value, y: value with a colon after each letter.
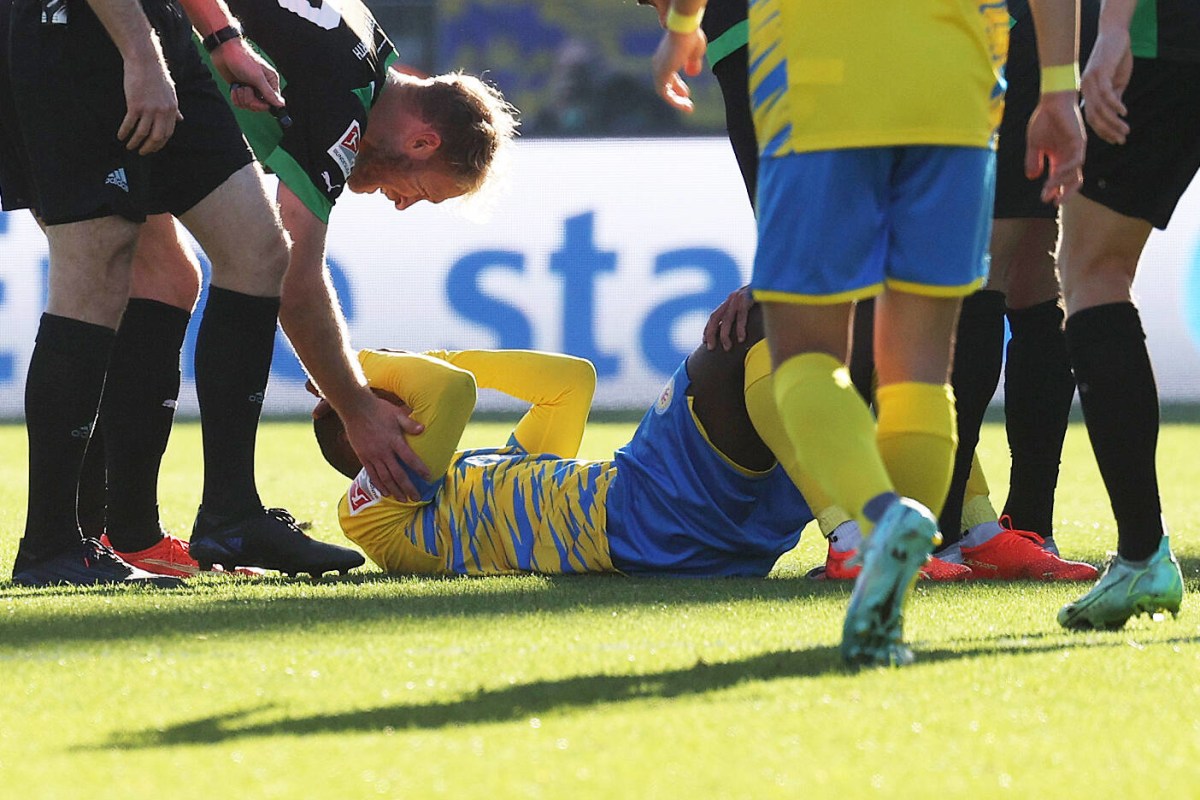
x: 891, y: 558
x: 1126, y: 589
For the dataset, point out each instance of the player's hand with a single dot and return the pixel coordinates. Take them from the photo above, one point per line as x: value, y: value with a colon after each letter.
x: 729, y: 317
x: 376, y: 432
x: 1104, y: 81
x: 254, y: 83
x: 678, y: 51
x: 1056, y: 136
x: 151, y: 107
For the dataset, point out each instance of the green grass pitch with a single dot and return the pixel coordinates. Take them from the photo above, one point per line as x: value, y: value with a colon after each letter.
x: 594, y: 687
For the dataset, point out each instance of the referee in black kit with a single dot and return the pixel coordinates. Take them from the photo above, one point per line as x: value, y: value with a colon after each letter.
x: 107, y: 115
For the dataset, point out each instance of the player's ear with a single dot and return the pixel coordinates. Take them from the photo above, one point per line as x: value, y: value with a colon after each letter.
x: 424, y: 143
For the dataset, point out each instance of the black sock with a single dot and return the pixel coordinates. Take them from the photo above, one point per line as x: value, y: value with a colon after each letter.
x: 862, y: 350
x: 233, y: 360
x: 136, y: 413
x: 1038, y: 387
x: 976, y: 373
x: 93, y: 487
x: 62, y: 392
x: 1120, y: 406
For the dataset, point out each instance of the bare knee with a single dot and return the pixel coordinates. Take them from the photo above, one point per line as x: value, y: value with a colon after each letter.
x: 1104, y: 278
x: 164, y: 267
x: 239, y: 228
x: 90, y: 268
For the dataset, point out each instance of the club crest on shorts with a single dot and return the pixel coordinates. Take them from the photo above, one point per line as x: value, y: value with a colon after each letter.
x: 362, y: 494
x: 346, y: 149
x: 665, y: 398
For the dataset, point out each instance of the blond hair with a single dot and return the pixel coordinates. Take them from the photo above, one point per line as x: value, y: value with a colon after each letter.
x: 475, y: 122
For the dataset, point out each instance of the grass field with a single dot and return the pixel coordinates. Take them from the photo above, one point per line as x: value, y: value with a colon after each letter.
x: 587, y: 687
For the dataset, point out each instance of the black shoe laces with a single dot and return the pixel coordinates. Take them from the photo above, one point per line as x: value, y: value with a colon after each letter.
x: 96, y: 553
x: 282, y: 515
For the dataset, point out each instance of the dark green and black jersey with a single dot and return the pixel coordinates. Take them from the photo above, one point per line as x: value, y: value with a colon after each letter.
x: 333, y: 60
x: 1166, y: 29
x: 725, y: 27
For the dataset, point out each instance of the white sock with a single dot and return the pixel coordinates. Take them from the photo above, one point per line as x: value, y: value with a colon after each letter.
x: 981, y: 533
x: 845, y: 537
x: 952, y: 553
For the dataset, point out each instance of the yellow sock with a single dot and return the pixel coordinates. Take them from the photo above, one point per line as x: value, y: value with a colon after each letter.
x: 760, y: 404
x: 977, y: 505
x: 831, y: 430
x: 917, y: 437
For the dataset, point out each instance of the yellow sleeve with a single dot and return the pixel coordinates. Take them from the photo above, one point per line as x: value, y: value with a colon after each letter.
x: 558, y: 387
x: 441, y: 396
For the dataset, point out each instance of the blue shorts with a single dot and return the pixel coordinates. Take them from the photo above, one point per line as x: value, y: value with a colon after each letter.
x: 837, y: 225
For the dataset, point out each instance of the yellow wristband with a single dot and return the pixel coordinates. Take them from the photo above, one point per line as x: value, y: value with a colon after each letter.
x: 683, y: 23
x: 1063, y: 78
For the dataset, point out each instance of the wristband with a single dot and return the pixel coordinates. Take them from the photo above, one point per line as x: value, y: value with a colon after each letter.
x: 683, y: 23
x: 1063, y: 78
x: 221, y: 36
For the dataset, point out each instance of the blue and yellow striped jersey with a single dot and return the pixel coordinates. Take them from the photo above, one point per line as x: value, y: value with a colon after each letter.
x: 668, y: 502
x: 828, y: 75
x: 498, y: 511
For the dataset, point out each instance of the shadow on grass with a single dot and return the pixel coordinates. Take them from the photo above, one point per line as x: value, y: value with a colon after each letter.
x: 363, y: 600
x: 513, y: 703
x: 220, y: 607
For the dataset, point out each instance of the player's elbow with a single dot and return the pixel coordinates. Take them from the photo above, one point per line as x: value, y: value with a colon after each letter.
x: 456, y: 389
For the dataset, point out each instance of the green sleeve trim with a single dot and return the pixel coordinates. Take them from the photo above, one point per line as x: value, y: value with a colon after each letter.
x: 732, y: 39
x: 263, y: 134
x: 1143, y: 30
x: 293, y: 176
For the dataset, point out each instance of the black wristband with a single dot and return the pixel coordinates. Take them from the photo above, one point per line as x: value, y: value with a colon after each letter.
x: 221, y: 36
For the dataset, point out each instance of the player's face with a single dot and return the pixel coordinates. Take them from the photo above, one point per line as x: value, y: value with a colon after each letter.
x: 426, y: 184
x: 404, y: 180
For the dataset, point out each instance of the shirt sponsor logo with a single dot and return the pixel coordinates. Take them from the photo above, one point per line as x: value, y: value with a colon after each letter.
x: 362, y: 494
x: 345, y: 150
x: 325, y: 15
x: 664, y: 399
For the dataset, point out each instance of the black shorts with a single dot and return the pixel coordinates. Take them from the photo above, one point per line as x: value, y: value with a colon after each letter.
x: 1145, y: 177
x: 68, y: 96
x: 15, y: 191
x: 1016, y: 196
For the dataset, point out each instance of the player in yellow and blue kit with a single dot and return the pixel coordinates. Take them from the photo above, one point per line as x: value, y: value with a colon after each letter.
x: 698, y: 491
x: 875, y: 124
